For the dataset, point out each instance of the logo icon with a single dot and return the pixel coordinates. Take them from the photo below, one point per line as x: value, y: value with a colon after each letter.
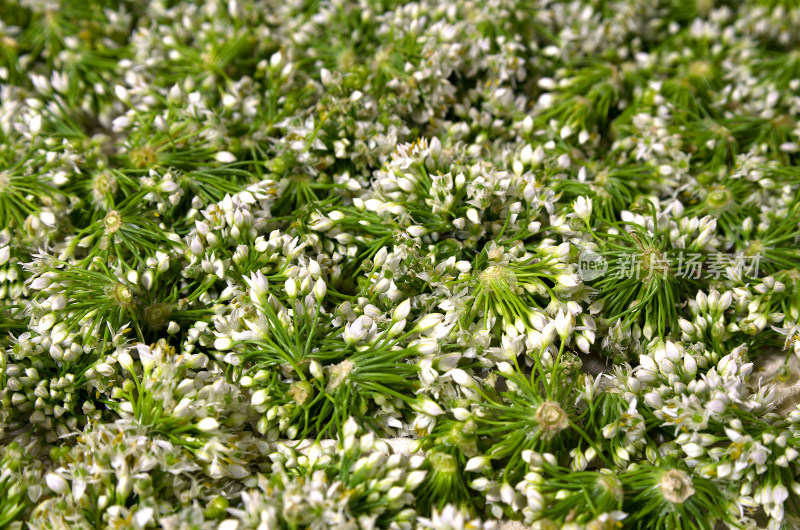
x: 591, y: 265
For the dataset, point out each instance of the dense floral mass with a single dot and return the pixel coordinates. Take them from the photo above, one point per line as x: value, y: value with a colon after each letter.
x: 553, y: 245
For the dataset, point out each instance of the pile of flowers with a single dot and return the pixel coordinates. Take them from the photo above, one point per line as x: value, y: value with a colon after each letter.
x: 553, y: 244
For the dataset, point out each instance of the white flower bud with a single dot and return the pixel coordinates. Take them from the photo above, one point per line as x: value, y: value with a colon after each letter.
x: 414, y: 479
x: 290, y: 286
x: 196, y: 247
x: 725, y: 301
x: 477, y: 463
x: 505, y: 368
x: 459, y: 181
x: 705, y: 235
x: 321, y: 224
x: 653, y: 400
x: 57, y: 483
x: 426, y: 346
x: 35, y: 125
x: 126, y: 361
x: 610, y: 430
x: 727, y: 366
x: 526, y: 155
x: 259, y: 398
x: 350, y: 428
x: 230, y: 524
x: 427, y: 406
x: 225, y: 157
x: 779, y: 493
x: 383, y: 285
x: 316, y: 370
x: 538, y: 156
x: 579, y: 461
x: 687, y: 327
x: 461, y: 378
x: 549, y: 333
x: 693, y: 450
x: 702, y: 301
x: 416, y: 231
x: 480, y: 484
x: 507, y: 493
x: 713, y: 300
x: 380, y: 258
x: 143, y: 517
x: 690, y: 365
x: 429, y: 321
x: 46, y: 322
x: 326, y: 77
x: 207, y: 424
x: 672, y: 352
x: 397, y: 328
x: 527, y: 125
x: 42, y: 282
x: 565, y: 323
x: 104, y: 369
x: 184, y: 409
x: 320, y: 289
x: 223, y: 343
x: 582, y: 343
x: 402, y: 311
x: 121, y: 93
x: 570, y: 281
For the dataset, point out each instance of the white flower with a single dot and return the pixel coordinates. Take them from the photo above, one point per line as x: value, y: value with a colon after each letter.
x: 676, y: 486
x: 449, y: 518
x: 792, y: 333
x: 583, y: 208
x: 354, y: 332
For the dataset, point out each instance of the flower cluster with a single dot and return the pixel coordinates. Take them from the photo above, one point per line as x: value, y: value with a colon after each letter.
x: 552, y: 245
